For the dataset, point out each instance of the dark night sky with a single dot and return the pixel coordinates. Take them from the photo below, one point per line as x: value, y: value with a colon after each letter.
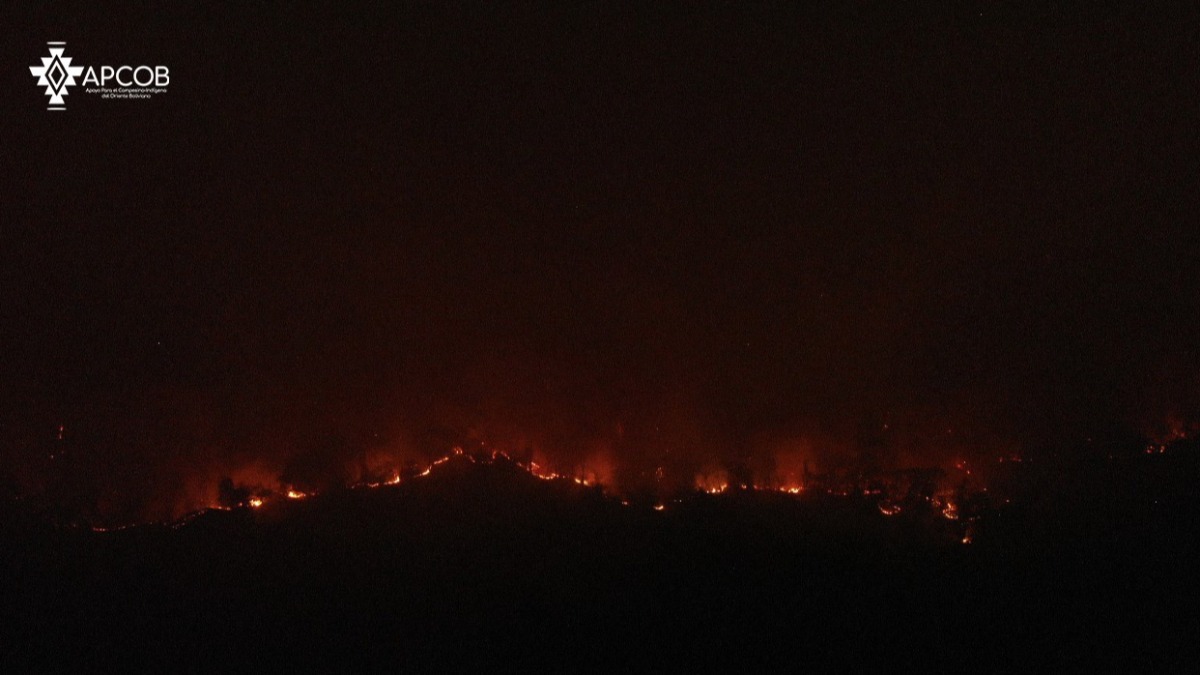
x: 693, y: 229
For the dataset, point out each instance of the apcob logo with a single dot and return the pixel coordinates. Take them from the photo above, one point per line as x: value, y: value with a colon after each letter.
x: 56, y: 74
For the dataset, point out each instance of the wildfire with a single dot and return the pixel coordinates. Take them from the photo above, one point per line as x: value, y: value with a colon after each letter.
x: 715, y: 483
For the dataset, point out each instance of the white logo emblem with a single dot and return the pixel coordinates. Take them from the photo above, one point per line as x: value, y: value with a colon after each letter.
x: 56, y: 74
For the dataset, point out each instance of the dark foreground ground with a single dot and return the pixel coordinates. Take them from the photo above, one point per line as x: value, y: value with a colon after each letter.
x: 482, y: 567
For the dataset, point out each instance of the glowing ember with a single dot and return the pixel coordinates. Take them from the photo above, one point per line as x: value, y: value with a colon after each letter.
x: 296, y: 494
x: 889, y: 509
x: 255, y: 502
x: 538, y: 472
x: 950, y: 511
